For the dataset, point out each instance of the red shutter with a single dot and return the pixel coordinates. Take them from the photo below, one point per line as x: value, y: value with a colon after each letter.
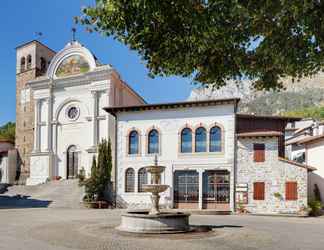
x: 258, y: 190
x: 259, y: 152
x: 291, y: 191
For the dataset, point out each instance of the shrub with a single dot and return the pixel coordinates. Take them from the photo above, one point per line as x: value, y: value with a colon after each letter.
x: 81, y: 176
x: 96, y: 185
x: 317, y: 193
x: 315, y: 208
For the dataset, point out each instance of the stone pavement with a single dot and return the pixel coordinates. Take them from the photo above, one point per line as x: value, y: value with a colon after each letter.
x: 62, y: 229
x: 58, y: 194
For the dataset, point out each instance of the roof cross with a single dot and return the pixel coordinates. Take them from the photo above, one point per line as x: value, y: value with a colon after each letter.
x: 73, y: 34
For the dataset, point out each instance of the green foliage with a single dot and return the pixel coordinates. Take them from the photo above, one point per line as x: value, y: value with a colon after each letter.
x: 313, y: 112
x: 278, y: 195
x: 315, y: 208
x: 8, y: 131
x: 97, y: 184
x: 81, y: 176
x: 317, y: 193
x: 216, y: 40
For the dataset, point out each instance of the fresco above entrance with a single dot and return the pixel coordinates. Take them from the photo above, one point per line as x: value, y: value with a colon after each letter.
x: 72, y: 65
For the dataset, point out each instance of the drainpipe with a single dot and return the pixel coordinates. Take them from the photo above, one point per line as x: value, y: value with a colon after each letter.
x: 235, y: 157
x: 115, y: 165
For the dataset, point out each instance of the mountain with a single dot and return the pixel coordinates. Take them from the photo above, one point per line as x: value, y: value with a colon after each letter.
x: 298, y: 95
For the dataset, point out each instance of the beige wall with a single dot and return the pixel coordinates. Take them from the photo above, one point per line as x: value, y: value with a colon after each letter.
x: 315, y: 156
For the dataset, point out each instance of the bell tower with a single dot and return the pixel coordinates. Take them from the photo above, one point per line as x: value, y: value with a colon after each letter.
x: 32, y: 60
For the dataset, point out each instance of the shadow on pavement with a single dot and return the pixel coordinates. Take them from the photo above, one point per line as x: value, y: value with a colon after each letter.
x: 21, y: 201
x: 206, y: 228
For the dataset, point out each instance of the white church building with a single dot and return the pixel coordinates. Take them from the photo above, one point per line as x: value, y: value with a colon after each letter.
x: 69, y: 117
x: 215, y: 158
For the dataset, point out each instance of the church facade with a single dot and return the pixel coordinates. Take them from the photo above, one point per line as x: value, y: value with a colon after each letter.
x: 215, y: 158
x: 66, y: 114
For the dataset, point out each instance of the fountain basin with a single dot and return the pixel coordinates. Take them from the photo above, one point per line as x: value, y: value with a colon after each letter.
x: 137, y: 221
x: 155, y: 188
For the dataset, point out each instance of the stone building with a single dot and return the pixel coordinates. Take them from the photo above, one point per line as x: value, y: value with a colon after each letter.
x: 32, y: 61
x: 214, y: 158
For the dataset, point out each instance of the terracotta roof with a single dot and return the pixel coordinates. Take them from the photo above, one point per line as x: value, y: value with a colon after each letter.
x: 290, y: 129
x: 35, y: 41
x: 172, y: 105
x: 292, y: 140
x: 311, y: 139
x: 6, y: 141
x: 260, y: 134
x: 272, y: 117
x: 309, y: 168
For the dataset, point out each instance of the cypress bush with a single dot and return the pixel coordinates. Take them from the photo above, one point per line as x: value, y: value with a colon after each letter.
x: 97, y: 184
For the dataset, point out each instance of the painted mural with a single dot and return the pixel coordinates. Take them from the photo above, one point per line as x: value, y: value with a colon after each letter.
x: 72, y: 65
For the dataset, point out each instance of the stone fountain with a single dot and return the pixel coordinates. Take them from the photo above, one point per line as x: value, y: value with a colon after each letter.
x: 154, y: 221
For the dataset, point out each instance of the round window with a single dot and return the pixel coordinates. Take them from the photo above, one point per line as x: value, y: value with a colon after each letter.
x: 73, y: 113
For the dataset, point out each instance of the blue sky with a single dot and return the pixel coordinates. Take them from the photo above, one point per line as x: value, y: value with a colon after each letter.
x: 21, y: 19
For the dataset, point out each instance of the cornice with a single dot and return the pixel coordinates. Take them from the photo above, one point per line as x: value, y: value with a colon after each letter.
x: 100, y: 74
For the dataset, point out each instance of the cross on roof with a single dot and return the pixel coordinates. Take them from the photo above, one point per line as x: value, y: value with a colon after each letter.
x: 73, y: 34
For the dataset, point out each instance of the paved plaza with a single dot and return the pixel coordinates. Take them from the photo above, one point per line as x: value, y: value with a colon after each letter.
x: 56, y: 228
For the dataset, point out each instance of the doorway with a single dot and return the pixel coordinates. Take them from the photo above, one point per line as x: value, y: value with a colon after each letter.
x: 186, y: 189
x: 72, y: 162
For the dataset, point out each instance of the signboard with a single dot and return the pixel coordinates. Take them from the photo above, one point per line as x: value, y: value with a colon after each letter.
x: 242, y: 193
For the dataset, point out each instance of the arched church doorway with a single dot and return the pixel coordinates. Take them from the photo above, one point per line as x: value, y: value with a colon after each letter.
x: 72, y: 162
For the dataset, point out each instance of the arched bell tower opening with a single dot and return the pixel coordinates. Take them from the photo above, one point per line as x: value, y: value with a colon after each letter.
x: 72, y: 162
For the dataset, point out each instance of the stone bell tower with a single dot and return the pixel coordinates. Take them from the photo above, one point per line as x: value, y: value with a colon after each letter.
x: 32, y: 61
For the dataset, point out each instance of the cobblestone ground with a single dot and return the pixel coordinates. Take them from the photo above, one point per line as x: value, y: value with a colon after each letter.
x: 55, y: 228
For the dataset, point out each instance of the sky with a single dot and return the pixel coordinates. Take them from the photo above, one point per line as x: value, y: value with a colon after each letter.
x: 22, y: 19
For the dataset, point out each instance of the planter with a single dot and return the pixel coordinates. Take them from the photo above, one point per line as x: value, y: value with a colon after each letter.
x: 96, y: 204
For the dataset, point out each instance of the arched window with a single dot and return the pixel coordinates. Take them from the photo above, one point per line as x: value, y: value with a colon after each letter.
x: 200, y: 140
x: 142, y: 179
x: 130, y: 180
x: 133, y: 147
x: 153, y: 142
x: 186, y: 140
x: 215, y: 139
x: 29, y: 61
x: 22, y: 64
x: 42, y: 65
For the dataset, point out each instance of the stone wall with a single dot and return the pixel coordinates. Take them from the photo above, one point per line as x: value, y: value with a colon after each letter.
x: 24, y: 120
x: 274, y: 173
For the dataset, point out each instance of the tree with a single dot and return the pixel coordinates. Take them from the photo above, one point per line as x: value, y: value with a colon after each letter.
x: 7, y: 132
x: 100, y: 178
x: 217, y: 40
x: 104, y: 166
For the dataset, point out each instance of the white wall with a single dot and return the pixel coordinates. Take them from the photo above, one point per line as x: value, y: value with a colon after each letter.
x: 315, y: 156
x: 170, y: 123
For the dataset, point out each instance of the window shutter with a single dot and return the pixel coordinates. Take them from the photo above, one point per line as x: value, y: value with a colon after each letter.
x: 291, y: 191
x: 259, y: 152
x: 258, y: 191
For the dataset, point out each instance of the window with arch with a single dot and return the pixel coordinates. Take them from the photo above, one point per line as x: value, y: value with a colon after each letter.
x: 186, y: 140
x: 153, y: 142
x: 133, y: 143
x: 215, y: 139
x: 130, y: 180
x: 142, y: 179
x: 22, y: 64
x: 29, y: 61
x: 43, y: 65
x: 200, y: 140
